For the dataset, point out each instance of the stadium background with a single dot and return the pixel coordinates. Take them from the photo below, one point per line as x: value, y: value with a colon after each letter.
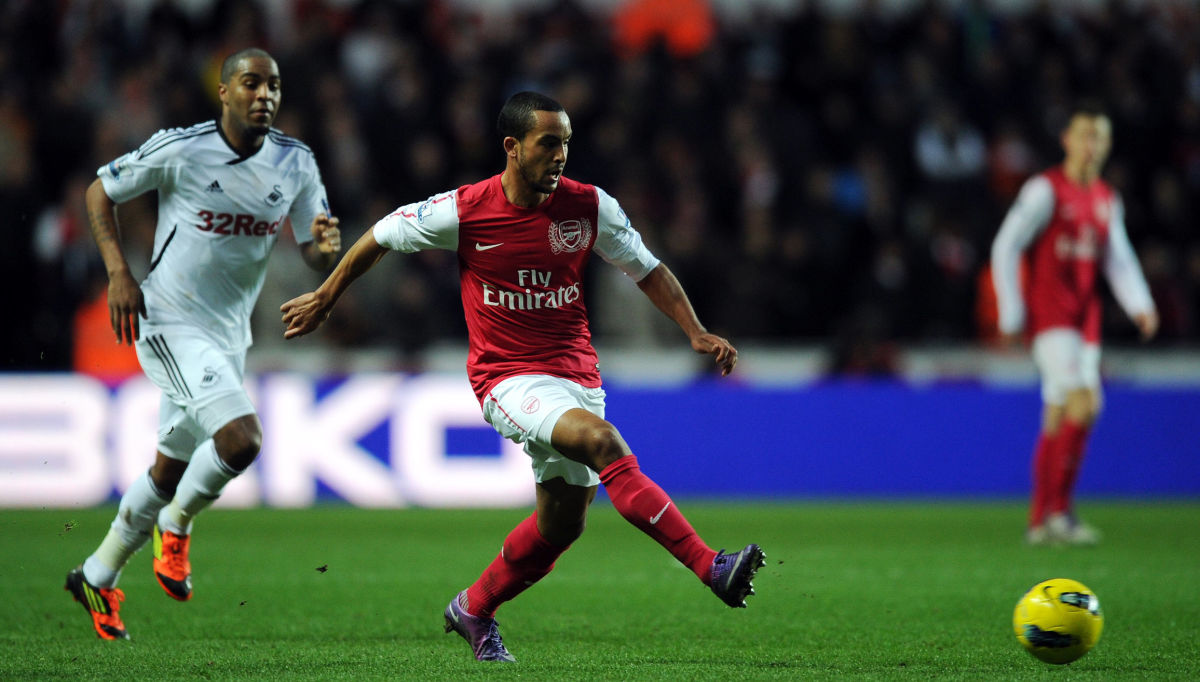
x: 824, y: 177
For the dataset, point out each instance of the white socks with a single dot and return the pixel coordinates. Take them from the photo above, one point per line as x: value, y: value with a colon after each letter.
x: 201, y: 485
x: 129, y: 532
x: 142, y: 506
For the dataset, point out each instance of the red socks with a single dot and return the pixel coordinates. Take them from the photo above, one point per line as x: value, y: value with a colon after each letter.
x: 1056, y: 463
x: 1043, y: 467
x: 646, y: 506
x: 524, y: 559
x: 1072, y: 437
x: 527, y: 557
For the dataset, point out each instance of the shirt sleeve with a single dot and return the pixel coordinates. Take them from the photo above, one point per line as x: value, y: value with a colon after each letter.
x: 431, y: 224
x: 1028, y: 217
x: 146, y: 168
x: 1122, y: 269
x: 618, y: 243
x: 310, y: 201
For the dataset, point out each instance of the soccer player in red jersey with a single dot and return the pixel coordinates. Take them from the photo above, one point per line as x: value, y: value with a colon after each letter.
x: 1068, y: 225
x: 523, y: 238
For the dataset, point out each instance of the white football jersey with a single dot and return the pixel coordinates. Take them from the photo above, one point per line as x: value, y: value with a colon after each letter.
x: 219, y: 214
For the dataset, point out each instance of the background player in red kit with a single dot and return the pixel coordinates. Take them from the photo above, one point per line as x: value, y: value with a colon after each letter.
x: 1067, y: 224
x: 523, y: 238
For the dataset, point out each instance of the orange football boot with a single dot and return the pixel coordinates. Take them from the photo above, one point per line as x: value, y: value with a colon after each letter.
x: 102, y: 604
x: 171, y: 565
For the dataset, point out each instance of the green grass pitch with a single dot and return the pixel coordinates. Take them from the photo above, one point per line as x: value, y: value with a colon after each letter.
x: 850, y: 591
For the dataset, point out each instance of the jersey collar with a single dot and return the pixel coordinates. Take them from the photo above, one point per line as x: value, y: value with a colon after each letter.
x: 239, y: 158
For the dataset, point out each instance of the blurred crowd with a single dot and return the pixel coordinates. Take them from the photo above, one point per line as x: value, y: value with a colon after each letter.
x: 811, y: 176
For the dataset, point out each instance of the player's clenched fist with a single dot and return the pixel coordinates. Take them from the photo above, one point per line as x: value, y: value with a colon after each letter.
x: 326, y: 234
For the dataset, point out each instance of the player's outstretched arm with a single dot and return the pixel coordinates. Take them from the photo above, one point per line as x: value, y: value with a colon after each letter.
x: 125, y: 301
x: 321, y: 253
x: 664, y: 290
x: 305, y: 313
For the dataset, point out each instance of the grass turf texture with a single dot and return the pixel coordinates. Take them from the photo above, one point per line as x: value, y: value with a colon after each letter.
x: 869, y: 591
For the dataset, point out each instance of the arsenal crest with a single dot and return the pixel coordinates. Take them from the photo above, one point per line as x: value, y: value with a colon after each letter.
x: 570, y: 235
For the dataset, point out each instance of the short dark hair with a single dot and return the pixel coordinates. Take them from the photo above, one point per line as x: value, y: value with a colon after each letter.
x: 229, y: 66
x: 516, y: 116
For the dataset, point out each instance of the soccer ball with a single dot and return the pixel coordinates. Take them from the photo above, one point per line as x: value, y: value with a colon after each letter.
x: 1058, y: 620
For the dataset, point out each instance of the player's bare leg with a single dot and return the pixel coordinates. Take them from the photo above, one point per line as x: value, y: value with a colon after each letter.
x: 214, y: 463
x: 1071, y: 424
x: 530, y: 550
x: 586, y: 438
x: 1045, y: 464
x: 93, y: 583
x: 528, y: 555
x: 562, y: 510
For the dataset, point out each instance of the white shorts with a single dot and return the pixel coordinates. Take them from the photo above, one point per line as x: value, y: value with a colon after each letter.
x: 201, y: 385
x: 524, y: 409
x: 1066, y: 363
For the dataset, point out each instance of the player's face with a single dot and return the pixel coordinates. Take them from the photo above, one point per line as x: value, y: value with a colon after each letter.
x: 252, y: 95
x: 1087, y: 141
x: 542, y: 153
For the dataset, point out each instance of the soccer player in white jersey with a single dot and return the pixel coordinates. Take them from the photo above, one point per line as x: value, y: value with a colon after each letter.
x: 523, y: 238
x: 224, y: 190
x: 1067, y: 225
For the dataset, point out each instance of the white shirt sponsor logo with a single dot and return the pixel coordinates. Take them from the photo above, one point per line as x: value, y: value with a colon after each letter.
x: 654, y: 519
x: 1086, y: 247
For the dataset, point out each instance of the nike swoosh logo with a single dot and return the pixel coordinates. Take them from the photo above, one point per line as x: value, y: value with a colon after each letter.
x: 654, y: 519
x: 481, y: 247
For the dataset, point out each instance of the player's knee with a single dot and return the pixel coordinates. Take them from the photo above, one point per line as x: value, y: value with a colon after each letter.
x: 604, y: 444
x: 244, y: 451
x: 1085, y: 412
x: 1082, y: 407
x: 165, y: 474
x: 239, y: 442
x: 165, y: 487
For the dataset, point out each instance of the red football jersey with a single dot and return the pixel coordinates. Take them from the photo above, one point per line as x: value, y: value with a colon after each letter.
x: 1066, y: 234
x: 1065, y: 259
x: 521, y: 272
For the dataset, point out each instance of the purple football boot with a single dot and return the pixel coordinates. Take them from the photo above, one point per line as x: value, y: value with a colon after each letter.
x: 480, y: 633
x: 732, y: 574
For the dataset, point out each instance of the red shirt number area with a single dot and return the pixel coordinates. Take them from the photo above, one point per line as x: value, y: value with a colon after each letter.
x: 236, y: 224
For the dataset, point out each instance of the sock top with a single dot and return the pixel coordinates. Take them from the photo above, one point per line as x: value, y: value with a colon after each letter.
x: 616, y: 468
